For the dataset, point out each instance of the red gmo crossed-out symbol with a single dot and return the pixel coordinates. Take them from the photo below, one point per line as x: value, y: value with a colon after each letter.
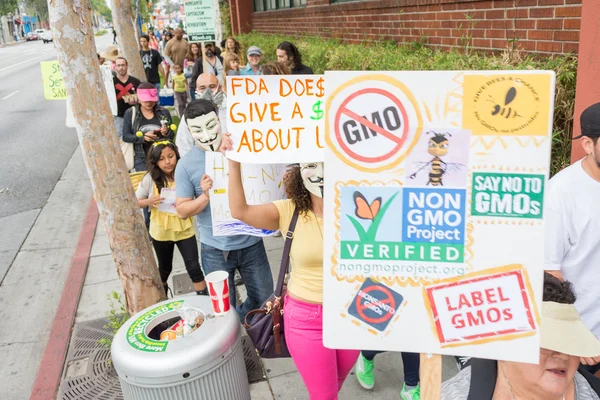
x: 397, y: 139
x: 361, y: 304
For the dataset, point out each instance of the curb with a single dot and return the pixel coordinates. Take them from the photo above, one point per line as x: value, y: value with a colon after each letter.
x: 50, y: 371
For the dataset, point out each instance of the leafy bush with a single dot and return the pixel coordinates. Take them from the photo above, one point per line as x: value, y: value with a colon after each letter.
x: 331, y: 54
x: 100, y: 32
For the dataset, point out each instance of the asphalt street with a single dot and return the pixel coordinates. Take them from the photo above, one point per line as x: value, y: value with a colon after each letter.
x: 36, y: 144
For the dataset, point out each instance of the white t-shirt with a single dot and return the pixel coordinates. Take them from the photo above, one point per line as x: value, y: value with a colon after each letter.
x: 572, y: 240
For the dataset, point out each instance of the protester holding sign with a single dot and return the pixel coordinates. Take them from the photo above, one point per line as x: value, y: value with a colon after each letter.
x: 208, y: 88
x: 194, y: 187
x: 289, y: 55
x: 572, y: 225
x: 157, y: 190
x: 322, y: 369
x: 564, y: 340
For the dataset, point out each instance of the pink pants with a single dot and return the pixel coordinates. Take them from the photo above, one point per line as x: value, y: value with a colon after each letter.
x: 323, y: 370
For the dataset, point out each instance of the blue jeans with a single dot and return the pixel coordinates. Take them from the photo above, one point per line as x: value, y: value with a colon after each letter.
x: 253, y: 264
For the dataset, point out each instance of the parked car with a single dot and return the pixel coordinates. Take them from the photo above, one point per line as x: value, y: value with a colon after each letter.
x: 32, y: 36
x: 47, y: 37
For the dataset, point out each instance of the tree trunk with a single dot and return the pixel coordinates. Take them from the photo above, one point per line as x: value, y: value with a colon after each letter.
x: 111, y: 184
x: 124, y: 23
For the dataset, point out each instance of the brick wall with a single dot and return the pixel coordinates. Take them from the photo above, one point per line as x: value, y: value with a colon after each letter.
x: 540, y: 26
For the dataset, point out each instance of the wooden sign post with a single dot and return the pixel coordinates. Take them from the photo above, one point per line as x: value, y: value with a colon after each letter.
x: 430, y: 374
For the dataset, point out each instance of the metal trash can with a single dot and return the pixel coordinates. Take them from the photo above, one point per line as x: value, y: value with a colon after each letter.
x: 207, y: 364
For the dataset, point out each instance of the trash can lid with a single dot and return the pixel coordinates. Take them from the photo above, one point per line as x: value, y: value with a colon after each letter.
x: 135, y: 354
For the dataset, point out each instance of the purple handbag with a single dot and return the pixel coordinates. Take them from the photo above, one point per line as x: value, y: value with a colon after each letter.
x: 266, y: 328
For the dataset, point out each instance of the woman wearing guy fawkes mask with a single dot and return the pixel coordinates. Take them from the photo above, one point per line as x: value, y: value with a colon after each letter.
x: 225, y: 253
x: 323, y: 370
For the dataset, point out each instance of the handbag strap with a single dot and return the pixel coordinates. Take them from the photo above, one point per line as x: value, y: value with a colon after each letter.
x: 285, y: 259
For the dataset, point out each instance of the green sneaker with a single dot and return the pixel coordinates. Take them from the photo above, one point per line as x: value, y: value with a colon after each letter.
x: 365, y: 373
x: 412, y: 394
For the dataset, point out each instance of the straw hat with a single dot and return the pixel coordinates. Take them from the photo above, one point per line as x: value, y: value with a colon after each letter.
x: 562, y: 330
x: 111, y: 53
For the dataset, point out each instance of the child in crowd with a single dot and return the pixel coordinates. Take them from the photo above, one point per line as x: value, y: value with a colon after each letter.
x: 166, y: 228
x: 232, y: 64
x: 180, y: 85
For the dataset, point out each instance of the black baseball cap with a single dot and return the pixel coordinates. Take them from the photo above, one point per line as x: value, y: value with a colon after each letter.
x: 590, y: 122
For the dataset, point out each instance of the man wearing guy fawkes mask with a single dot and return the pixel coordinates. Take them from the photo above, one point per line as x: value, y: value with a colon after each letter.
x: 207, y: 88
x: 193, y: 190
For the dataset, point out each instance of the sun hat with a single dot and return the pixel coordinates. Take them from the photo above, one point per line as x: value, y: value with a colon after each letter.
x: 147, y: 94
x: 590, y: 122
x: 254, y: 51
x: 111, y: 53
x: 562, y: 330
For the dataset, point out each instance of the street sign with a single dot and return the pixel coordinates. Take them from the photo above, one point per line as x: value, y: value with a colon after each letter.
x: 200, y: 20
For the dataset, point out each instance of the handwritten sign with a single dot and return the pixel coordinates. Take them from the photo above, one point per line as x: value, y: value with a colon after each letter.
x: 54, y: 86
x: 434, y: 189
x: 276, y: 119
x: 200, y: 20
x: 262, y: 184
x: 167, y: 205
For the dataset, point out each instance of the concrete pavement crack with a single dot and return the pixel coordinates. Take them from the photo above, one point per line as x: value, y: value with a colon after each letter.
x: 25, y: 342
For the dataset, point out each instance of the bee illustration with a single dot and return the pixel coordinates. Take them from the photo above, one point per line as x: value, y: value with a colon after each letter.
x: 438, y: 147
x: 505, y: 111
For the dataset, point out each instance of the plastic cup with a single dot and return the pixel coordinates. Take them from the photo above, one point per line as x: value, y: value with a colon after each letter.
x: 218, y: 289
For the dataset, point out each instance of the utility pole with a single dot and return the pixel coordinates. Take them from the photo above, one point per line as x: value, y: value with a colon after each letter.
x: 125, y: 24
x: 113, y: 191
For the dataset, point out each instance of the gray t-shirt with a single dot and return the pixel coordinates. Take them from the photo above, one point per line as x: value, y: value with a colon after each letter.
x: 457, y: 388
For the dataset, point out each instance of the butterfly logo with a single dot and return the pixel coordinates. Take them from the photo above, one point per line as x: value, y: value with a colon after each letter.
x: 364, y: 210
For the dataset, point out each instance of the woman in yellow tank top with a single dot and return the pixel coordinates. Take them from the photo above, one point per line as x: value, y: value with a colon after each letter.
x: 157, y: 190
x: 323, y: 370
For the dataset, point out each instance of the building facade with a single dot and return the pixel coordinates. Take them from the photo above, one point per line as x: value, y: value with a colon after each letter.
x: 536, y: 26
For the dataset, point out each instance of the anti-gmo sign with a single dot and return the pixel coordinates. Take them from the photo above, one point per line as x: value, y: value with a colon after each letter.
x: 375, y: 304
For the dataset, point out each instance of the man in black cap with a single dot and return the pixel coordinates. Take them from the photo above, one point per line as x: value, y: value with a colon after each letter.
x: 572, y: 226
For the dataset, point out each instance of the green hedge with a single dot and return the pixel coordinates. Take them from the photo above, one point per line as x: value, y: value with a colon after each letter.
x: 329, y: 54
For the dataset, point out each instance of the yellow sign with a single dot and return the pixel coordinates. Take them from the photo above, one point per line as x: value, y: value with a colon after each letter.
x: 515, y: 104
x: 54, y: 88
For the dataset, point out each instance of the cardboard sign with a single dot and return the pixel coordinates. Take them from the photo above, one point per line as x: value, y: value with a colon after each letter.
x: 262, y: 184
x: 434, y: 184
x: 276, y: 119
x: 54, y: 86
x: 200, y: 20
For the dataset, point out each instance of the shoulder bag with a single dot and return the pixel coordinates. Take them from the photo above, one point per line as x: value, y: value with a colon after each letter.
x: 266, y: 328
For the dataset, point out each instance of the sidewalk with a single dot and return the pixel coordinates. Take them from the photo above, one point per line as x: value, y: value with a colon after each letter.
x: 282, y: 381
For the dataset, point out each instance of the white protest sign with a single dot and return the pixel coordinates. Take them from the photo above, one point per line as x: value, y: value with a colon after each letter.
x: 167, y: 205
x: 200, y: 20
x: 263, y: 183
x: 276, y: 119
x: 434, y: 191
x: 107, y: 77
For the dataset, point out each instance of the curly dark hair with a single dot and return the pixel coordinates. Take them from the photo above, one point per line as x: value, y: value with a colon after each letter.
x: 295, y: 190
x: 291, y: 51
x: 558, y: 291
